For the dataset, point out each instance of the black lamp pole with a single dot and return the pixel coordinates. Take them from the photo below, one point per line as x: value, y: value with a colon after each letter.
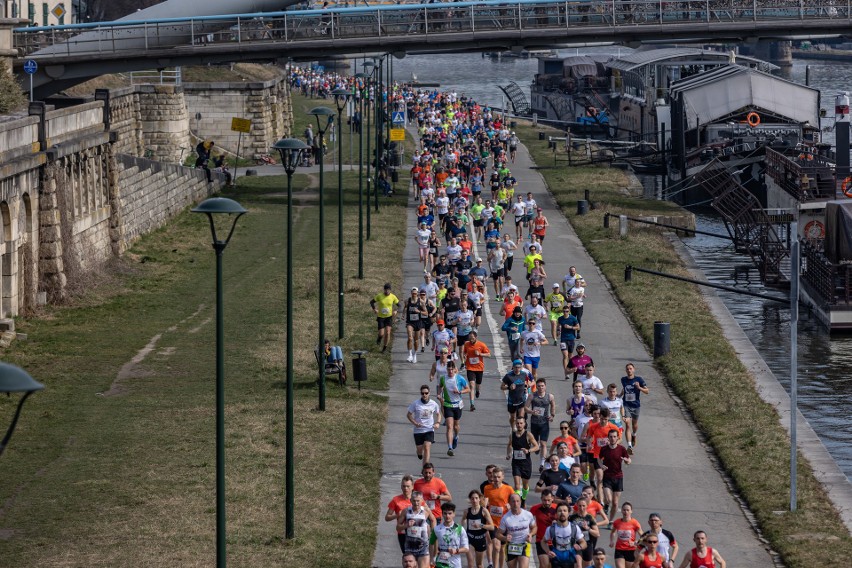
x: 340, y: 98
x: 15, y: 379
x: 212, y: 207
x: 380, y: 98
x: 360, y: 77
x: 370, y: 66
x: 328, y: 115
x: 291, y: 150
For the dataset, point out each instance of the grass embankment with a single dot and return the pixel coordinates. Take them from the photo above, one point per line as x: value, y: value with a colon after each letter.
x: 128, y: 479
x: 702, y: 368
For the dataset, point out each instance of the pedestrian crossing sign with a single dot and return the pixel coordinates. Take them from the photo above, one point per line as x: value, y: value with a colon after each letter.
x: 398, y: 117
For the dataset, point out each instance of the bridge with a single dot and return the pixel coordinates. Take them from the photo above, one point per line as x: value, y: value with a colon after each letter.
x: 74, y: 53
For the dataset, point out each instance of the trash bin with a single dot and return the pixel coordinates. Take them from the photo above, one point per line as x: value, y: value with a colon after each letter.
x: 359, y: 367
x: 662, y: 338
x: 513, y: 124
x: 395, y: 174
x: 541, y: 135
x: 582, y: 207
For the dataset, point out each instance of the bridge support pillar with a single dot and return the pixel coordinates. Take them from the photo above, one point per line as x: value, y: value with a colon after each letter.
x: 778, y: 52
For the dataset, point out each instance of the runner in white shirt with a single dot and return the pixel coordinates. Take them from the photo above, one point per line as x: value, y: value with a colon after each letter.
x: 442, y: 202
x: 534, y: 310
x: 422, y: 413
x: 565, y: 538
x: 449, y: 540
x: 422, y: 240
x: 430, y: 288
x: 615, y: 404
x: 531, y: 342
x: 454, y: 251
x: 517, y: 529
x: 570, y: 279
x: 592, y: 386
x: 518, y: 210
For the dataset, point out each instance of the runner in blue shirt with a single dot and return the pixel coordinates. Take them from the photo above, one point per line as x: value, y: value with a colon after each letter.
x: 631, y: 388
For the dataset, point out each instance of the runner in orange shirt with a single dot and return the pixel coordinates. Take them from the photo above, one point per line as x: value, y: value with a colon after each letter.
x: 474, y: 352
x: 625, y: 532
x: 497, y: 496
x: 565, y: 436
x: 597, y: 433
x: 399, y: 504
x: 433, y: 489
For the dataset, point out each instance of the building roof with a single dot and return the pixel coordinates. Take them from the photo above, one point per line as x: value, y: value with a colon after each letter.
x: 724, y: 91
x: 581, y: 65
x: 640, y: 58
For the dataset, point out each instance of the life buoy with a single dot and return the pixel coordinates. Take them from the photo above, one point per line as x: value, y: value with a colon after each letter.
x: 753, y: 119
x: 846, y: 187
x: 815, y: 230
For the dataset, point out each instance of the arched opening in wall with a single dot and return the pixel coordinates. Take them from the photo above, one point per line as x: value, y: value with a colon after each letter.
x: 6, y: 262
x: 26, y: 258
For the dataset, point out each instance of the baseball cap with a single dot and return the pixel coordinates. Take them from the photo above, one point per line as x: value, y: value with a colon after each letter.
x: 444, y: 350
x: 478, y: 259
x: 440, y: 322
x: 581, y: 346
x: 414, y: 288
x: 517, y: 362
x: 555, y: 285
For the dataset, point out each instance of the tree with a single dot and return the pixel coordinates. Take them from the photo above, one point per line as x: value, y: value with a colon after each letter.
x: 11, y: 95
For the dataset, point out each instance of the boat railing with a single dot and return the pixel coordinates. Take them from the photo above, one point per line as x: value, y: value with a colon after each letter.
x: 800, y: 176
x: 831, y: 282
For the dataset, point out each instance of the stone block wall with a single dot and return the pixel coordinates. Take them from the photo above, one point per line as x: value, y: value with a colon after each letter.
x: 164, y: 121
x: 266, y: 104
x: 125, y: 119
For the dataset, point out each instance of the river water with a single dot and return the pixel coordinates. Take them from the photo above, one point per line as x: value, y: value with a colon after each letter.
x: 824, y: 380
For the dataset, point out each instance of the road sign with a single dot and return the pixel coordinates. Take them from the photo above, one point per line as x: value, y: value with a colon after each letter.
x: 398, y: 117
x: 397, y: 134
x: 30, y: 66
x: 241, y: 125
x: 58, y: 11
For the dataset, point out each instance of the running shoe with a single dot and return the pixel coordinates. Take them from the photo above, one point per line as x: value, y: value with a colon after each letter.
x: 524, y: 493
x: 472, y: 407
x: 450, y: 452
x: 409, y: 359
x: 585, y: 477
x: 554, y: 342
x: 630, y: 449
x: 455, y: 441
x: 378, y: 340
x: 427, y: 341
x: 414, y: 359
x: 541, y: 468
x: 477, y: 393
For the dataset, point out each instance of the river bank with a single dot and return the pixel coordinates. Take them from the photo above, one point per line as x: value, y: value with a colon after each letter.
x: 743, y: 430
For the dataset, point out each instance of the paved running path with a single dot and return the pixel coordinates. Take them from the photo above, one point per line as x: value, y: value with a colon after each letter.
x: 671, y: 472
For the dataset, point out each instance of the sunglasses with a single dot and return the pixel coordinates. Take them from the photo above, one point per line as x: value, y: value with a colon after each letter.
x: 563, y: 427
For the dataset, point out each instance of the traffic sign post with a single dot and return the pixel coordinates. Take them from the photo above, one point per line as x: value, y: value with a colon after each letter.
x: 398, y: 117
x: 30, y: 67
x: 239, y: 125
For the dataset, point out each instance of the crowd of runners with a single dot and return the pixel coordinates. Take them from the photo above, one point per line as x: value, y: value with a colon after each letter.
x: 467, y: 201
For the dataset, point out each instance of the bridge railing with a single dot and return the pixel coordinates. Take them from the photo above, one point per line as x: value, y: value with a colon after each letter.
x: 439, y: 19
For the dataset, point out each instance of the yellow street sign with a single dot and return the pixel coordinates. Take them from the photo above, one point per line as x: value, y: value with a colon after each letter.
x: 58, y: 11
x: 241, y: 125
x: 397, y: 134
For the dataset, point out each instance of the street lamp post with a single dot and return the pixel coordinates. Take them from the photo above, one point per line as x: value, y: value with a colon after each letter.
x: 291, y: 150
x: 369, y: 66
x: 360, y: 77
x: 15, y: 379
x: 380, y: 102
x: 340, y: 97
x: 322, y: 114
x: 213, y: 207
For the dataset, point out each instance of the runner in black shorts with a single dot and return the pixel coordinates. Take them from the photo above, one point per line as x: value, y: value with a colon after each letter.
x: 477, y: 521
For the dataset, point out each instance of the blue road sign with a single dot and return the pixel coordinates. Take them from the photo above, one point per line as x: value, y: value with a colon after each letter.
x: 398, y: 117
x: 30, y: 66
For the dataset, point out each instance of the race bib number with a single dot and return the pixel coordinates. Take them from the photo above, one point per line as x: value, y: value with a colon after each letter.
x: 496, y: 510
x: 563, y: 347
x: 519, y: 455
x: 517, y: 548
x: 538, y: 411
x: 625, y: 535
x: 414, y: 532
x: 474, y: 361
x: 602, y: 442
x: 515, y: 336
x: 629, y: 397
x: 415, y: 317
x: 425, y: 413
x: 430, y: 503
x: 386, y: 312
x: 444, y: 556
x: 474, y: 524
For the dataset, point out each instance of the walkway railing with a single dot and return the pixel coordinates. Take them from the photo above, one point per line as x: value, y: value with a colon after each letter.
x: 420, y: 20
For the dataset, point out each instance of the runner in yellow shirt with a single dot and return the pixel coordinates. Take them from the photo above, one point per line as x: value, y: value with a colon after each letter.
x: 555, y: 300
x: 385, y: 306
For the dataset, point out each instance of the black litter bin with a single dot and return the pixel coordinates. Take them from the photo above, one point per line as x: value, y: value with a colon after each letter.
x: 359, y: 367
x: 541, y: 135
x: 513, y: 124
x: 395, y: 175
x: 582, y: 207
x: 662, y: 338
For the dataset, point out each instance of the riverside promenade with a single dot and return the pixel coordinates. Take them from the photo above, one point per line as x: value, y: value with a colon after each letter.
x: 671, y: 474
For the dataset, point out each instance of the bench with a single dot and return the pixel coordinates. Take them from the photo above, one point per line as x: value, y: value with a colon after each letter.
x: 332, y: 369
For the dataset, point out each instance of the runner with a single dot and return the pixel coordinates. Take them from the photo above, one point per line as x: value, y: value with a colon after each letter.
x: 666, y: 544
x: 415, y: 314
x: 570, y: 279
x: 433, y: 489
x: 416, y: 522
x: 510, y: 247
x: 631, y: 389
x: 530, y: 347
x: 615, y: 405
x: 516, y: 382
x: 565, y: 437
x: 497, y: 495
x: 540, y: 225
x: 570, y: 491
x: 451, y: 389
x: 541, y: 408
x: 592, y: 386
x: 597, y: 437
x: 648, y: 556
x: 448, y: 542
x: 422, y: 237
x: 384, y: 307
x: 474, y: 352
x: 478, y: 523
x: 544, y: 513
x: 555, y: 302
x: 577, y: 363
x: 568, y: 327
x: 519, y: 211
x: 398, y: 504
x: 517, y: 529
x: 599, y: 559
x: 702, y: 556
x: 497, y: 265
x: 519, y: 449
x: 577, y: 297
x: 422, y: 413
x: 611, y: 459
x: 623, y: 536
x: 443, y: 338
x: 565, y: 538
x: 514, y: 326
x: 552, y: 477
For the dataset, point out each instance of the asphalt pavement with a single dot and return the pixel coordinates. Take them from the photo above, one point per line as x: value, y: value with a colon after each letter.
x: 671, y: 473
